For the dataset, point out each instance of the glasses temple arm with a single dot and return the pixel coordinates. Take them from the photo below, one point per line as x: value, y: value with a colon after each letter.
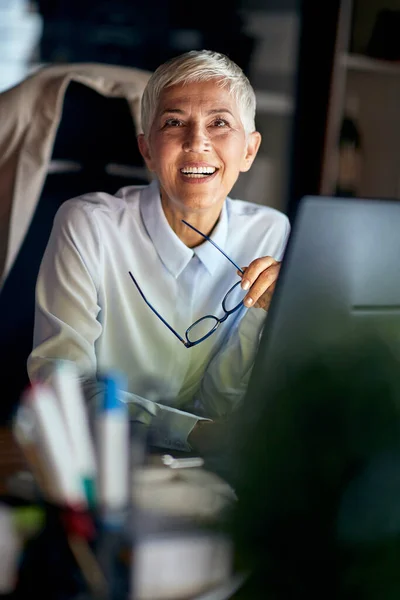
x: 155, y: 311
x: 214, y: 244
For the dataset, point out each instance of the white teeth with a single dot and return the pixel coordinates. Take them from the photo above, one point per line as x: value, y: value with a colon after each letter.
x: 198, y: 170
x: 196, y: 175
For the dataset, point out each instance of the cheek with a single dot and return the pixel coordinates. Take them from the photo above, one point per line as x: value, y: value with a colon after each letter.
x: 166, y: 164
x: 166, y: 152
x: 232, y: 149
x: 235, y: 158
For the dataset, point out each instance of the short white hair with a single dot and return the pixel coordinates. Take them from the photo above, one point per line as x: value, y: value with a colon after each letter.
x: 193, y: 67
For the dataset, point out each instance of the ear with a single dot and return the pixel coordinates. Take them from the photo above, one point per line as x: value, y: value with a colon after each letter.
x: 252, y: 145
x: 144, y: 149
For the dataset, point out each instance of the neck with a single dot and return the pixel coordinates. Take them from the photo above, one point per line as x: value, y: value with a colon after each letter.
x: 204, y: 220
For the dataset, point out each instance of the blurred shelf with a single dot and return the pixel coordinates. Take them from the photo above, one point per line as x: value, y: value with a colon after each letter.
x: 274, y: 103
x: 359, y: 62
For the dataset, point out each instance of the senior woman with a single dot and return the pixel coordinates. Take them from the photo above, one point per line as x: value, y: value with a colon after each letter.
x: 124, y: 277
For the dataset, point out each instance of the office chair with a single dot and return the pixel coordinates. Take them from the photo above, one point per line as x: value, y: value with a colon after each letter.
x: 95, y: 149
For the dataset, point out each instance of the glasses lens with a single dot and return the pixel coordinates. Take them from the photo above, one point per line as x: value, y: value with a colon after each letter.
x: 201, y: 328
x: 234, y: 298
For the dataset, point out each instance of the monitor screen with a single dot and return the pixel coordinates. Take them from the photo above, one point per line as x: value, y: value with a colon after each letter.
x: 341, y: 270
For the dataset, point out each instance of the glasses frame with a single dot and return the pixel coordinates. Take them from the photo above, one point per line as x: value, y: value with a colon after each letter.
x: 187, y: 343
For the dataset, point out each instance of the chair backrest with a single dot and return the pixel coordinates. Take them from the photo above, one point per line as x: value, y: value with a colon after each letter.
x: 95, y: 150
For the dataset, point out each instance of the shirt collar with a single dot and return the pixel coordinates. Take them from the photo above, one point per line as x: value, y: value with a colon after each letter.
x: 206, y: 252
x: 174, y: 254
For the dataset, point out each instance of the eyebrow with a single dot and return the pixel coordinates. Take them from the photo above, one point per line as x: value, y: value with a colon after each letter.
x: 213, y: 111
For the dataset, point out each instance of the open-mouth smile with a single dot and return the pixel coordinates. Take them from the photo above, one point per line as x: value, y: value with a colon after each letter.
x: 198, y: 174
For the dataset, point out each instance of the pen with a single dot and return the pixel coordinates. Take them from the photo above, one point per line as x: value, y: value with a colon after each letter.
x: 182, y: 463
x: 113, y: 448
x: 10, y: 550
x: 65, y: 383
x: 87, y: 563
x: 26, y: 435
x: 53, y: 444
x: 113, y: 451
x: 80, y: 530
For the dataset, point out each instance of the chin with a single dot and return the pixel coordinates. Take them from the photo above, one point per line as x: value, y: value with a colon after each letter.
x: 197, y: 200
x: 202, y: 204
x: 202, y: 198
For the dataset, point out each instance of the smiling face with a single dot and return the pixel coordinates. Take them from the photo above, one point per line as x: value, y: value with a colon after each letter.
x: 197, y: 146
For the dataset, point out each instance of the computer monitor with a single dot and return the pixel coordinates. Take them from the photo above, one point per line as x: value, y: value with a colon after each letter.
x: 322, y: 411
x: 341, y: 269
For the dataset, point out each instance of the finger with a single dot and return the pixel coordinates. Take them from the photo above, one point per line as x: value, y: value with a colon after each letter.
x: 255, y: 268
x: 262, y: 285
x: 265, y: 300
x: 241, y: 273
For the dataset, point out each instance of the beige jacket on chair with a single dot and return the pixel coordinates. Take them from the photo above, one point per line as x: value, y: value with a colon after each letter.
x: 29, y: 116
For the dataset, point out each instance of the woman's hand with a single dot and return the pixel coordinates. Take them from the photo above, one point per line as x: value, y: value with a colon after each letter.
x: 259, y: 279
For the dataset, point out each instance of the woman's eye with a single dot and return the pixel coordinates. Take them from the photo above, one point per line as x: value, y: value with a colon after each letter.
x: 173, y: 123
x: 220, y: 123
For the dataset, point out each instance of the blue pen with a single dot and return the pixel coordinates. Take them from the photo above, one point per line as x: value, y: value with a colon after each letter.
x: 113, y: 447
x: 114, y: 477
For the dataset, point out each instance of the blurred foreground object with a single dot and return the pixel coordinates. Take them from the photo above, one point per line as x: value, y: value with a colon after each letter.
x: 114, y: 524
x: 319, y: 485
x: 9, y: 551
x: 182, y: 548
x: 182, y: 493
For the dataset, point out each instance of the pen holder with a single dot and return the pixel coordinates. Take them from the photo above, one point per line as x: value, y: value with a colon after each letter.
x: 47, y: 568
x: 62, y: 565
x: 170, y: 544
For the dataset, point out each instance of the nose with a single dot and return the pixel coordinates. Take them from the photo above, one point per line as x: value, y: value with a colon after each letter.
x: 196, y: 140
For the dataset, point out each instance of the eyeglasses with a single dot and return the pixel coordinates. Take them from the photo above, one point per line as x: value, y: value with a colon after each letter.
x: 201, y: 329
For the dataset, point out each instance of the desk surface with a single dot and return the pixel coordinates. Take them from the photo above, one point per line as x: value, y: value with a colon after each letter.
x: 12, y: 460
